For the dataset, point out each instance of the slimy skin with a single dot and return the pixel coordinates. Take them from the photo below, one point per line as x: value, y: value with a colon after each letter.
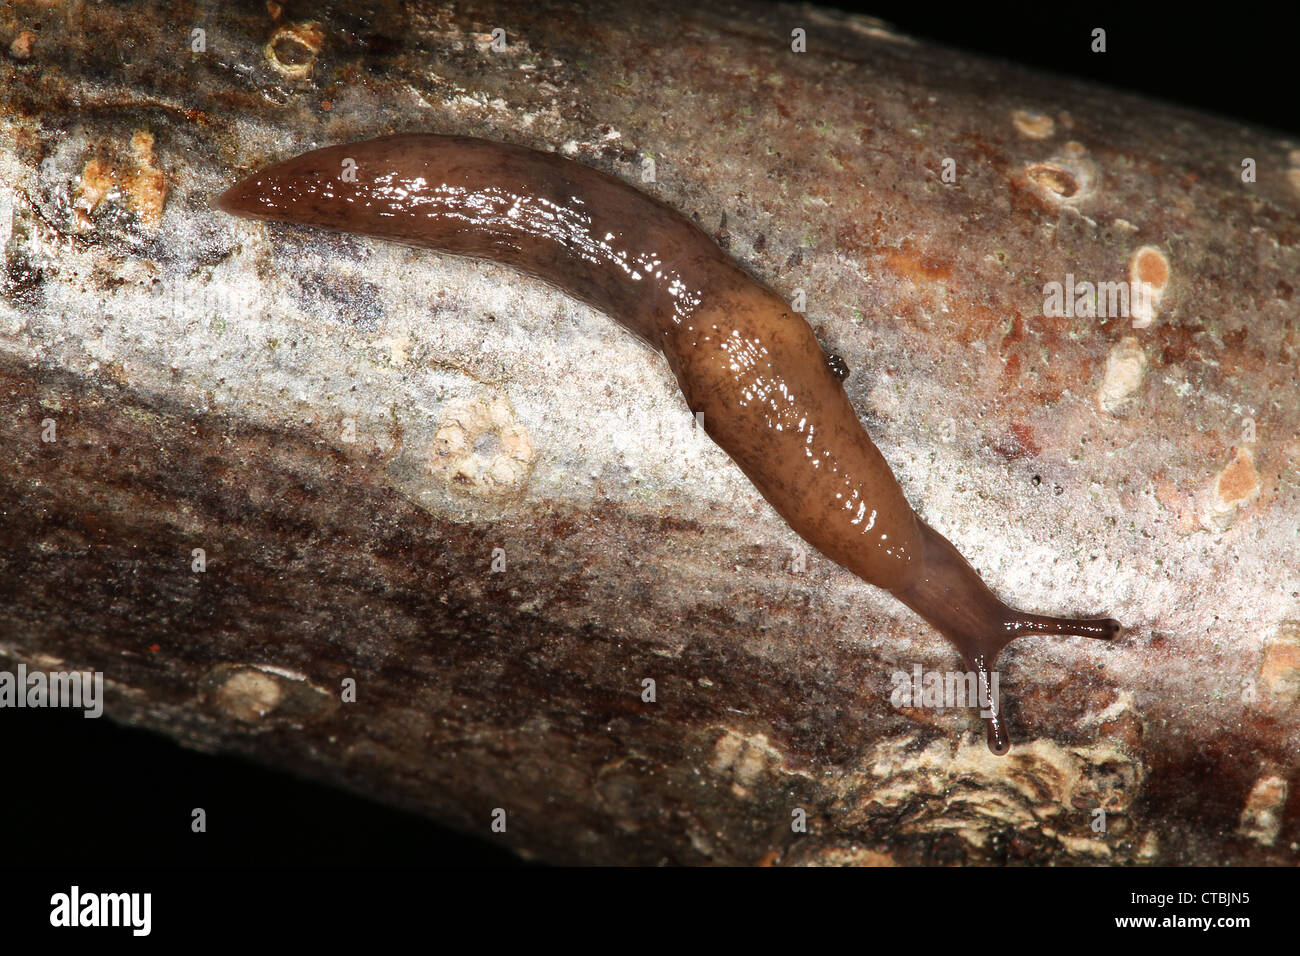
x: 769, y: 394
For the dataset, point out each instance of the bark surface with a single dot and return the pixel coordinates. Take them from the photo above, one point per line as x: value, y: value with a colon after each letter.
x: 489, y: 507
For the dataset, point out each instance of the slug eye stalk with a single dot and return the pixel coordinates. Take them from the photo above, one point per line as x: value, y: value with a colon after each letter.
x: 952, y: 597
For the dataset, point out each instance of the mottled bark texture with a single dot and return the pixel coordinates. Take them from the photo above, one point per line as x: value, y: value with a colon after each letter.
x: 349, y: 430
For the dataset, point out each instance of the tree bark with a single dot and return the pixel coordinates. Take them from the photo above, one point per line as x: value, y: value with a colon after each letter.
x: 484, y: 504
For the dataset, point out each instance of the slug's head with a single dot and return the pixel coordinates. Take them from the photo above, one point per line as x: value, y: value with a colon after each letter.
x: 950, y: 595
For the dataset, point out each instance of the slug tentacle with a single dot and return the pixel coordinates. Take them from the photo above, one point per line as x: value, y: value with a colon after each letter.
x: 952, y: 597
x: 771, y: 396
x: 999, y: 740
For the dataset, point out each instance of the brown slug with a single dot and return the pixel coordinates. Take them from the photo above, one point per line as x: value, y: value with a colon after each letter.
x: 770, y: 396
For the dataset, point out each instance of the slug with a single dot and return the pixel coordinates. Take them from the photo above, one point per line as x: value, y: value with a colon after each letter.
x: 771, y: 397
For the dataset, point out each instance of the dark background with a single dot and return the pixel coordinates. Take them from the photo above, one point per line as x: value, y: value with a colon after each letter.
x: 89, y: 792
x: 1237, y: 61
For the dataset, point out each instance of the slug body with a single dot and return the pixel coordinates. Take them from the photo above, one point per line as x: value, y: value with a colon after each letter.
x: 769, y: 394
